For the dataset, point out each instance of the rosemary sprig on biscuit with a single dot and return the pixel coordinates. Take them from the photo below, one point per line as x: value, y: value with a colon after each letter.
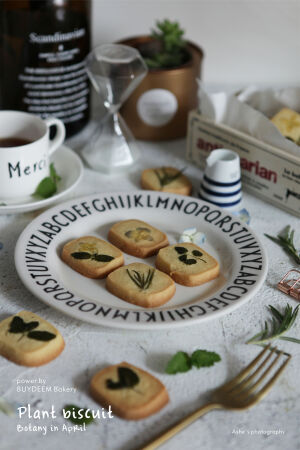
x: 142, y: 280
x: 167, y: 178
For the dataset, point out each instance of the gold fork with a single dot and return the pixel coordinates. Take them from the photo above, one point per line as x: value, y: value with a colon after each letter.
x: 240, y: 393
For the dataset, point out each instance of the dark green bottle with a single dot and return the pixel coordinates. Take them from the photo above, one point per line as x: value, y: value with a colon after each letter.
x: 43, y: 44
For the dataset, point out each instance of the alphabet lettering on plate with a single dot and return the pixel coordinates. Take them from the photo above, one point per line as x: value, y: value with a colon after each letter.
x: 232, y: 243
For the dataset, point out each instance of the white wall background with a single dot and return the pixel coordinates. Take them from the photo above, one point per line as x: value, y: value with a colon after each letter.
x: 245, y: 41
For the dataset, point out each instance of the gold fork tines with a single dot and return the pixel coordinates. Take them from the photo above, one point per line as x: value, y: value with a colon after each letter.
x: 258, y: 395
x: 246, y: 393
x: 241, y: 386
x: 242, y: 392
x: 245, y: 372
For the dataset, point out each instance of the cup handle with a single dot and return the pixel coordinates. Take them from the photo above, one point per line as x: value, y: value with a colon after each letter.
x: 60, y: 133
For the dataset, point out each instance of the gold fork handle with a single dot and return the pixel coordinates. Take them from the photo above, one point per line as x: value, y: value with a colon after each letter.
x: 181, y: 425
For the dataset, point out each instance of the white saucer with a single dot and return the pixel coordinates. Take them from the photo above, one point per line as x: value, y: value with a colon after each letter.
x: 70, y: 169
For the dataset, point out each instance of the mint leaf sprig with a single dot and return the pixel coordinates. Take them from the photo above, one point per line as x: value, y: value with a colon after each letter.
x: 280, y: 324
x: 286, y: 241
x: 182, y: 362
x: 48, y: 186
x: 77, y: 415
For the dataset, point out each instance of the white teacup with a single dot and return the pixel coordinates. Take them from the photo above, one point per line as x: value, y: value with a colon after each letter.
x: 22, y: 167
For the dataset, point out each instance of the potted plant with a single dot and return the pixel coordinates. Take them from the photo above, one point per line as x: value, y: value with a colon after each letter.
x: 158, y: 108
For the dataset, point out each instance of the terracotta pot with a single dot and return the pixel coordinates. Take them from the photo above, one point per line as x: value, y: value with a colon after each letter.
x: 157, y: 110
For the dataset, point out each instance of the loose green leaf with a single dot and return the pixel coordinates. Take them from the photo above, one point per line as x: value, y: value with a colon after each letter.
x: 286, y: 241
x: 203, y: 358
x: 81, y: 255
x: 41, y: 335
x: 48, y: 186
x: 280, y: 324
x: 127, y: 379
x: 180, y: 362
x: 53, y: 174
x: 78, y: 413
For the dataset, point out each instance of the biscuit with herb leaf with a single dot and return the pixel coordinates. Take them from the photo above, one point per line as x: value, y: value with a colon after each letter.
x: 166, y: 179
x: 137, y: 238
x: 29, y: 340
x: 92, y: 257
x: 187, y: 264
x: 131, y: 392
x: 141, y: 285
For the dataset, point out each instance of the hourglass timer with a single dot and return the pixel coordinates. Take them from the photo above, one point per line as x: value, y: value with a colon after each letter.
x: 115, y: 71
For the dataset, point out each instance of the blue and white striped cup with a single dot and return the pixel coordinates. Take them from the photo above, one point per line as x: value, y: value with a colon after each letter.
x: 221, y: 184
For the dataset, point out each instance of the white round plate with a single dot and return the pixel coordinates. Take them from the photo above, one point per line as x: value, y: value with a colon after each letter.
x: 69, y: 167
x: 242, y: 259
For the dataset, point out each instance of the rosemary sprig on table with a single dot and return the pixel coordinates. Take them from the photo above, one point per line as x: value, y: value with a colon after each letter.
x: 141, y: 280
x: 286, y: 241
x: 280, y: 324
x: 167, y: 178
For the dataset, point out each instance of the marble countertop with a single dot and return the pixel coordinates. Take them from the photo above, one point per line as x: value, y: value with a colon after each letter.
x: 272, y: 424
